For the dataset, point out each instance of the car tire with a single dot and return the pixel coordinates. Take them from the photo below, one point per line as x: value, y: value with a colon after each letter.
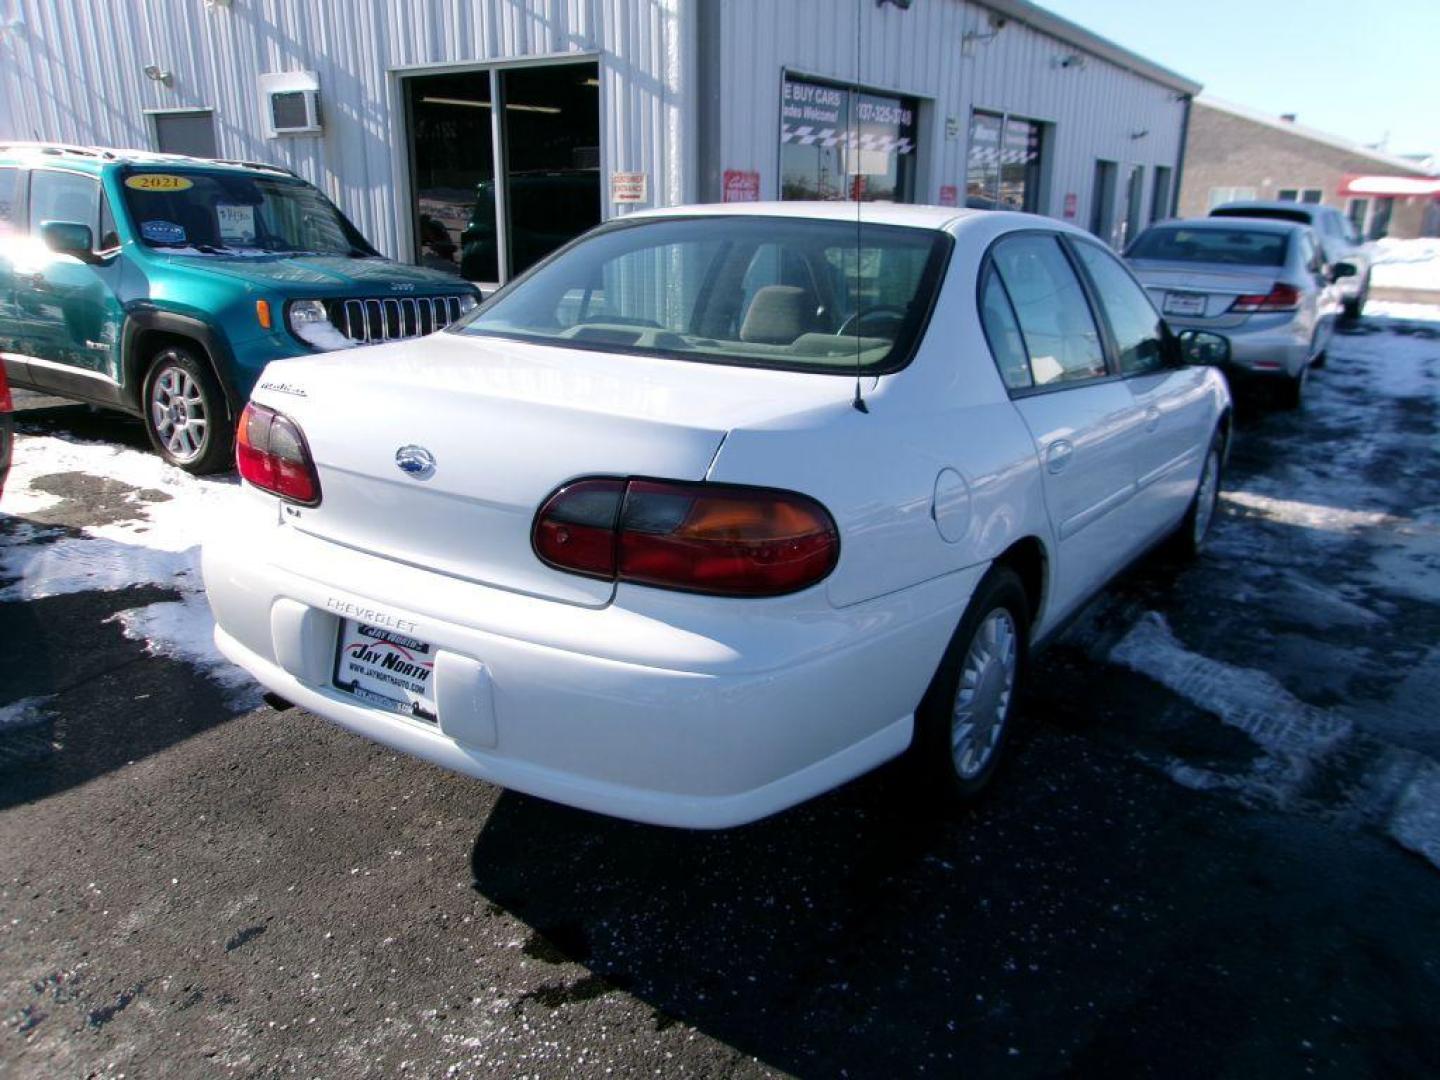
x: 1189, y: 537
x: 185, y: 414
x: 1290, y: 392
x: 965, y: 720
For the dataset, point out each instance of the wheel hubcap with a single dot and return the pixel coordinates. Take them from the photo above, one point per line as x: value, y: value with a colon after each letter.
x: 1206, y: 497
x: 982, y: 700
x: 177, y: 410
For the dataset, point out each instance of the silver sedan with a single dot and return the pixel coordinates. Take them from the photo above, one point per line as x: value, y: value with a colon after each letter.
x: 1265, y: 285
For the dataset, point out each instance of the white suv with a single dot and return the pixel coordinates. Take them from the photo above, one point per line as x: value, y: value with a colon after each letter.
x: 1337, y: 235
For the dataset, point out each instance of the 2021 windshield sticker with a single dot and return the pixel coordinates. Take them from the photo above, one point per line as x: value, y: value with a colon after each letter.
x: 158, y: 182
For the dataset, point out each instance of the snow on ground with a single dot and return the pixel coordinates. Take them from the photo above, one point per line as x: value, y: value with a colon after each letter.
x: 23, y: 713
x: 1407, y: 264
x: 1339, y: 528
x: 158, y: 545
x: 1252, y: 700
x: 1404, y: 313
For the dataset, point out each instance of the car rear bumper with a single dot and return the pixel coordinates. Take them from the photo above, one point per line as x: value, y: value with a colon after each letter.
x: 1265, y: 345
x: 729, y: 716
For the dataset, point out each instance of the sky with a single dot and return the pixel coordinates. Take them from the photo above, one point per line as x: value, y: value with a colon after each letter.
x: 1365, y: 71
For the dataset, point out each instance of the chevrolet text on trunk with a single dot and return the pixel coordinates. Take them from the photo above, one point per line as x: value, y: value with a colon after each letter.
x: 718, y: 508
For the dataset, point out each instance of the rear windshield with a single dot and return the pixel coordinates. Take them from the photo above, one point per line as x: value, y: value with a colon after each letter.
x: 1270, y: 213
x: 1239, y: 247
x: 825, y: 296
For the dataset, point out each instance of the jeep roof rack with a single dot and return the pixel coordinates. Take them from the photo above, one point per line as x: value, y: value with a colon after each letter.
x: 58, y: 149
x: 106, y: 153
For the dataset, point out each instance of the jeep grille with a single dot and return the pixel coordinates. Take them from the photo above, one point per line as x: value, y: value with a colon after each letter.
x: 391, y: 318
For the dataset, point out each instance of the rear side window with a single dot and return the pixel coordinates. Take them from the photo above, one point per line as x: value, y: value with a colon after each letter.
x: 9, y: 199
x: 1003, y: 333
x: 63, y: 196
x: 1236, y: 247
x: 1055, y: 319
x: 1134, y: 323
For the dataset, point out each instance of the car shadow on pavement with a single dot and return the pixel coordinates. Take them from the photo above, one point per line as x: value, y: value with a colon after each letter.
x: 40, y: 415
x: 1089, y: 915
x: 868, y: 932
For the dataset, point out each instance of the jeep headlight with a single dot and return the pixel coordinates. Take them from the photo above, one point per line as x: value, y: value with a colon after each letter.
x: 310, y: 322
x: 468, y: 302
x: 306, y: 313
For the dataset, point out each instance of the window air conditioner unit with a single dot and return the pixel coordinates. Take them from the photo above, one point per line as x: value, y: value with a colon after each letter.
x: 290, y: 103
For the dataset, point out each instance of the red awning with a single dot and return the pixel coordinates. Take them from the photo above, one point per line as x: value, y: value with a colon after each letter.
x: 1389, y: 185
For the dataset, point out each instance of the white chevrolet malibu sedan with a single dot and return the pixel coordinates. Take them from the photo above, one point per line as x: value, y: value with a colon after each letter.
x: 719, y: 507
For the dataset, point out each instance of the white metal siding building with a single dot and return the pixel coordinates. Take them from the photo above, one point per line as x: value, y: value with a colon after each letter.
x: 423, y: 104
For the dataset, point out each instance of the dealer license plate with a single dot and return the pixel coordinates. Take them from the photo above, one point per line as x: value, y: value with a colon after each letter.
x: 389, y: 670
x: 1182, y: 303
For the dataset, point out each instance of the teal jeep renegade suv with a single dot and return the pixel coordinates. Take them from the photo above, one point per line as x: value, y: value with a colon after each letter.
x: 163, y: 285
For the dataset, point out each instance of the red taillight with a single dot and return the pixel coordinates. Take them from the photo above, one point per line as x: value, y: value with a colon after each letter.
x: 709, y: 538
x: 1279, y: 298
x: 6, y: 405
x: 270, y: 452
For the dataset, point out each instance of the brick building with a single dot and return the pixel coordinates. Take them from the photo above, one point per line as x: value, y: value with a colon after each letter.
x: 1237, y: 153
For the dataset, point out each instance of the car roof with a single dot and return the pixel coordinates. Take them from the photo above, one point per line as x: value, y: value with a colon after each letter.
x: 947, y: 219
x: 96, y: 158
x: 1231, y: 224
x: 872, y: 213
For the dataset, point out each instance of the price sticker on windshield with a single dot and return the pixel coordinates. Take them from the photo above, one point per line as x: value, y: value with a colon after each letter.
x: 158, y: 182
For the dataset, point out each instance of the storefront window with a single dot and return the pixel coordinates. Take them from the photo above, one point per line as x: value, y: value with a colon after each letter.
x: 839, y: 142
x: 982, y: 179
x: 1020, y: 165
x: 1003, y: 167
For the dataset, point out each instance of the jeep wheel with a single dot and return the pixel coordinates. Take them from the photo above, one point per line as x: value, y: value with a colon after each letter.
x: 185, y: 412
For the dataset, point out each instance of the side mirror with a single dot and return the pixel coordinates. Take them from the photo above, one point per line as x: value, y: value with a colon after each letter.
x: 68, y: 238
x: 1203, y: 347
x: 1342, y: 270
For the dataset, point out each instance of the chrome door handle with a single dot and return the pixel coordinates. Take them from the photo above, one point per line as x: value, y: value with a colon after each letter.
x: 1152, y: 418
x: 1058, y: 455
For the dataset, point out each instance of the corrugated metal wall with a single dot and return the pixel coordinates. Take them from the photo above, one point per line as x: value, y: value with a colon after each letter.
x: 1097, y: 109
x: 73, y: 71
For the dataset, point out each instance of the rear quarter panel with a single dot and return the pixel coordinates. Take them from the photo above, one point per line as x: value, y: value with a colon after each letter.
x: 944, y: 422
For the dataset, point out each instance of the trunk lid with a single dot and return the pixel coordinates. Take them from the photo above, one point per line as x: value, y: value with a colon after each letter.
x: 506, y: 423
x: 1173, y: 285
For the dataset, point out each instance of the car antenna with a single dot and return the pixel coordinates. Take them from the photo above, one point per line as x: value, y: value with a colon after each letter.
x: 854, y: 150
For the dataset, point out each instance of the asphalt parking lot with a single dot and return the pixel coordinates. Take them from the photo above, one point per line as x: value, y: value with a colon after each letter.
x: 1215, y: 851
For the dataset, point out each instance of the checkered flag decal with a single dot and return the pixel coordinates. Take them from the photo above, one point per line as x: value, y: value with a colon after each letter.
x: 829, y: 138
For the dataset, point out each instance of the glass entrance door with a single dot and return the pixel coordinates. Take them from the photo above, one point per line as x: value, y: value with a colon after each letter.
x: 547, y: 144
x: 552, y: 157
x: 1134, y: 195
x: 452, y: 160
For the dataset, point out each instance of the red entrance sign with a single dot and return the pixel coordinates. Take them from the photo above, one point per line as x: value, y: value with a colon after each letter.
x: 741, y: 185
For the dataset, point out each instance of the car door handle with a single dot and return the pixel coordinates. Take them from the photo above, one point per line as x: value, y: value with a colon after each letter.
x: 1058, y: 455
x: 1152, y: 418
